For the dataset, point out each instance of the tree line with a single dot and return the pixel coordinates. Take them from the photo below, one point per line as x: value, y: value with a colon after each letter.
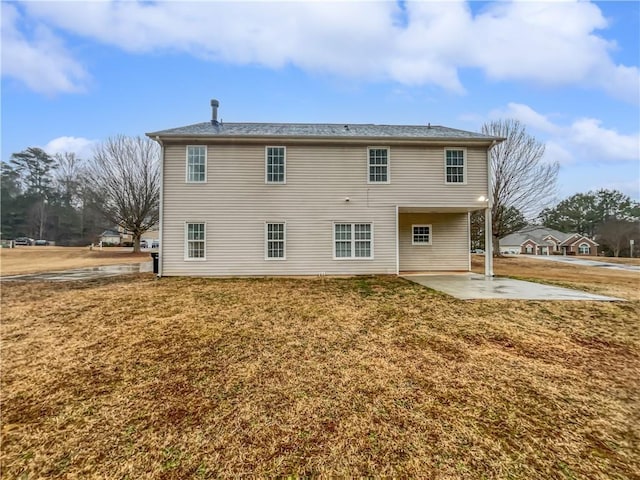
x: 70, y: 200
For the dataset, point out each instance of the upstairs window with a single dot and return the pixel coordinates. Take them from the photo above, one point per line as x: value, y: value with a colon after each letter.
x: 275, y: 247
x: 195, y: 241
x: 353, y: 240
x: 196, y: 163
x: 421, y: 234
x: 454, y: 165
x: 275, y: 165
x: 378, y: 165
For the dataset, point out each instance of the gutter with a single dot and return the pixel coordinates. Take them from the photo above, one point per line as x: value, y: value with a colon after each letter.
x: 320, y: 139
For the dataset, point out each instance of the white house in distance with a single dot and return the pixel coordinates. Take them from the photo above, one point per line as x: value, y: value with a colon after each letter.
x: 110, y: 237
x: 537, y: 240
x: 314, y: 199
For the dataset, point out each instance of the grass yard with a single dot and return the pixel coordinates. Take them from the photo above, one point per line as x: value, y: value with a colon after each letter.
x: 19, y: 260
x: 199, y: 378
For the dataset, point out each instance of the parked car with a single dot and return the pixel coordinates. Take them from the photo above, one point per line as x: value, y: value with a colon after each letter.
x: 41, y: 242
x: 23, y: 241
x: 143, y: 244
x: 155, y: 244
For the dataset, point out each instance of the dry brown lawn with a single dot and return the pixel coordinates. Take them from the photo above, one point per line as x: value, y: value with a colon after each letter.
x: 15, y: 261
x: 201, y: 378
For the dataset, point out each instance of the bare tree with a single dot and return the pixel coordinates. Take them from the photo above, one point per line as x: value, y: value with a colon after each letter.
x: 614, y: 235
x: 125, y: 182
x: 521, y: 180
x: 68, y: 177
x: 512, y: 220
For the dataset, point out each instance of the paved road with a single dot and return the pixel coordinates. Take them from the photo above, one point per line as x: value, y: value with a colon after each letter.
x: 88, y: 273
x: 583, y: 261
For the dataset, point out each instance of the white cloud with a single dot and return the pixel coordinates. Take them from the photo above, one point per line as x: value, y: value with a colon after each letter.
x: 554, y: 152
x: 526, y: 115
x: 41, y: 62
x: 584, y: 139
x: 524, y: 41
x: 603, y: 142
x: 82, y: 147
x: 552, y: 43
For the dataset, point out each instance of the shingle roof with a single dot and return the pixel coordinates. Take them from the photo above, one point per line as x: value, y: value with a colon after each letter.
x: 207, y: 129
x: 535, y: 233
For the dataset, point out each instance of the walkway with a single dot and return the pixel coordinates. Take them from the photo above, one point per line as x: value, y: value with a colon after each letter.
x: 470, y: 286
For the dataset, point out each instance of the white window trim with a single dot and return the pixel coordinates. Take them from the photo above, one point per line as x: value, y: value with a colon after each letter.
x: 186, y: 241
x: 464, y: 165
x: 586, y: 245
x: 266, y: 241
x: 422, y: 244
x: 353, y: 240
x: 186, y: 164
x: 266, y: 164
x: 388, y: 149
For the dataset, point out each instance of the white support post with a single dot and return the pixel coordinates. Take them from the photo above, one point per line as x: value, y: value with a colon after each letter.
x: 397, y: 241
x: 488, y: 244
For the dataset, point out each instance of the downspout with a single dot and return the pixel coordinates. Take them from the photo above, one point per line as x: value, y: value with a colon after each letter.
x: 161, y: 208
x: 488, y: 234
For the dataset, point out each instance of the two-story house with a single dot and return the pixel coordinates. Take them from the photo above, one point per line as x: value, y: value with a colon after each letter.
x: 314, y: 199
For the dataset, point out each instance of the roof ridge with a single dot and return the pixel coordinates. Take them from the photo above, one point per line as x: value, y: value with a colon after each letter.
x: 327, y: 130
x: 341, y: 124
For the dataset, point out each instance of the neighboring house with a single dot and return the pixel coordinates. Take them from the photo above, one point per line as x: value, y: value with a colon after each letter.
x: 537, y: 240
x: 110, y: 237
x: 150, y: 236
x: 116, y: 236
x: 315, y: 199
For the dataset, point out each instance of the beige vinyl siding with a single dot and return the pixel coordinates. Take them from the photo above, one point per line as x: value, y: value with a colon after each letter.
x: 449, y: 249
x: 235, y: 202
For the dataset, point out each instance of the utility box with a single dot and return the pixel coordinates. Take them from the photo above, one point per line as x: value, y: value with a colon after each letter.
x: 156, y: 260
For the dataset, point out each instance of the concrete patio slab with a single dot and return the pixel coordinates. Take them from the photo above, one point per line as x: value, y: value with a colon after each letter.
x: 470, y: 286
x: 89, y: 273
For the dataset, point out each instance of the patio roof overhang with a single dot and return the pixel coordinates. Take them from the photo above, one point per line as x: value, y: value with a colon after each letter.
x: 442, y: 208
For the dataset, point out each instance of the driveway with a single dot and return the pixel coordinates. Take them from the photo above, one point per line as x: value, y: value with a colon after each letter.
x: 89, y: 273
x: 470, y: 286
x: 581, y: 261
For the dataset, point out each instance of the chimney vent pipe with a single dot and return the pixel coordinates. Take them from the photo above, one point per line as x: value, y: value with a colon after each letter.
x: 214, y: 111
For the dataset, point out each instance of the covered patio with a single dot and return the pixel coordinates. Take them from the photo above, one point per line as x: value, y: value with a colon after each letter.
x: 437, y: 238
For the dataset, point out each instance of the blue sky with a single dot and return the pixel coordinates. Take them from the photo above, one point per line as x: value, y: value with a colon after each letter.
x: 75, y: 73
